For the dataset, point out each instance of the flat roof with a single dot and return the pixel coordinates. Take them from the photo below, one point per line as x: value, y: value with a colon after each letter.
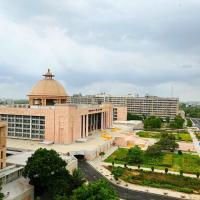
x: 20, y: 158
x: 8, y: 170
x: 93, y: 142
x: 15, y: 188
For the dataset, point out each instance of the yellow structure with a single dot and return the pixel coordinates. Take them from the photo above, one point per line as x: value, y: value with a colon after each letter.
x: 47, y: 92
x: 3, y: 133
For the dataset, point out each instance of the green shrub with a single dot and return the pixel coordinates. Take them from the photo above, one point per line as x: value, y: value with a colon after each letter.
x: 180, y: 152
x: 135, y: 155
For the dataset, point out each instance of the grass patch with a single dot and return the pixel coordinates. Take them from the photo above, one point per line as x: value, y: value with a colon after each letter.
x: 159, y: 180
x: 182, y: 136
x: 174, y: 162
x: 148, y: 134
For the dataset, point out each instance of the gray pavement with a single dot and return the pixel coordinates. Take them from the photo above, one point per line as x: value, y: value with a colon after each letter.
x: 92, y: 175
x: 196, y: 121
x: 196, y: 143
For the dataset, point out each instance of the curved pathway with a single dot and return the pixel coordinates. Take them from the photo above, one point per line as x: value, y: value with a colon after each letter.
x: 92, y: 175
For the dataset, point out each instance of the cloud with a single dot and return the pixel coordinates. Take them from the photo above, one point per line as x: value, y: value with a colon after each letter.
x: 94, y: 46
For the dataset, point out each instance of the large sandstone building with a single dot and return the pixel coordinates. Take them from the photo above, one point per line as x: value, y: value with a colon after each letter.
x: 48, y: 117
x: 3, y: 134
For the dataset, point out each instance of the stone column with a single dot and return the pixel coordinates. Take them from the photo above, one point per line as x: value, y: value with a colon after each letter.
x: 87, y: 117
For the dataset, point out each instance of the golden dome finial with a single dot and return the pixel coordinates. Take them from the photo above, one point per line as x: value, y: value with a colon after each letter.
x: 49, y: 75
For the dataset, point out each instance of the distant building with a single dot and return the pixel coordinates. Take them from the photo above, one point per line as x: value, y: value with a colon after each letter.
x: 3, y: 134
x: 148, y: 105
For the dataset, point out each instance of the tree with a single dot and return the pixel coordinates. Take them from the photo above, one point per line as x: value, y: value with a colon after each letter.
x: 1, y: 194
x: 178, y: 122
x: 131, y: 116
x: 135, y: 155
x: 166, y: 170
x: 47, y: 172
x: 117, y: 172
x: 180, y: 152
x: 191, y: 111
x: 167, y: 119
x: 167, y: 142
x: 99, y: 190
x: 59, y: 184
x: 198, y: 174
x: 59, y: 197
x: 181, y: 172
x: 78, y: 179
x: 189, y: 122
x: 152, y: 169
x: 152, y: 122
x: 154, y: 150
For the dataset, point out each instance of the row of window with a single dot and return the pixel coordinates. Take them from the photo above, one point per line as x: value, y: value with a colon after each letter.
x: 22, y: 126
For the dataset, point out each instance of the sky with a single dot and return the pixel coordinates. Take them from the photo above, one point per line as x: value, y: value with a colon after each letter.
x: 114, y: 46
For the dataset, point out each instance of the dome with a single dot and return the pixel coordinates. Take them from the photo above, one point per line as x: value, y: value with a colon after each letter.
x: 48, y: 87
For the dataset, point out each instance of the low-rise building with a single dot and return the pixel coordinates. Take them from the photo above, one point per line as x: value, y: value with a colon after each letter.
x: 3, y: 134
x: 15, y: 187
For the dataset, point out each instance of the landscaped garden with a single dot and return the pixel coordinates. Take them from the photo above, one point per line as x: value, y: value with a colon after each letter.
x: 158, y: 180
x: 173, y: 161
x: 179, y: 136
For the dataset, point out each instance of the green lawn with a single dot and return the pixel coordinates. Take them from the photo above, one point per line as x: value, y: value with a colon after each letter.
x: 160, y: 180
x: 148, y: 134
x: 174, y: 162
x: 156, y: 134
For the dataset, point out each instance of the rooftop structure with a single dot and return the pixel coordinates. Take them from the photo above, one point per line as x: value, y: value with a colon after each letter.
x: 47, y: 92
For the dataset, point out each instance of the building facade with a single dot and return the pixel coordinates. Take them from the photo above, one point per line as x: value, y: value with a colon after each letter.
x: 3, y: 134
x: 48, y: 117
x: 148, y: 105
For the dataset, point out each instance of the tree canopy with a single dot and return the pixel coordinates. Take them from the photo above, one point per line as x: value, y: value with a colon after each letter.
x: 99, y: 190
x: 135, y: 155
x: 152, y: 122
x: 189, y: 122
x: 167, y: 142
x: 154, y: 150
x: 47, y: 172
x: 191, y: 111
x: 178, y: 122
x: 117, y: 172
x: 131, y: 116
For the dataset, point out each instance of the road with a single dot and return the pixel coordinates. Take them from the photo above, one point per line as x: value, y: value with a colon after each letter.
x: 196, y: 121
x: 92, y: 175
x: 196, y: 142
